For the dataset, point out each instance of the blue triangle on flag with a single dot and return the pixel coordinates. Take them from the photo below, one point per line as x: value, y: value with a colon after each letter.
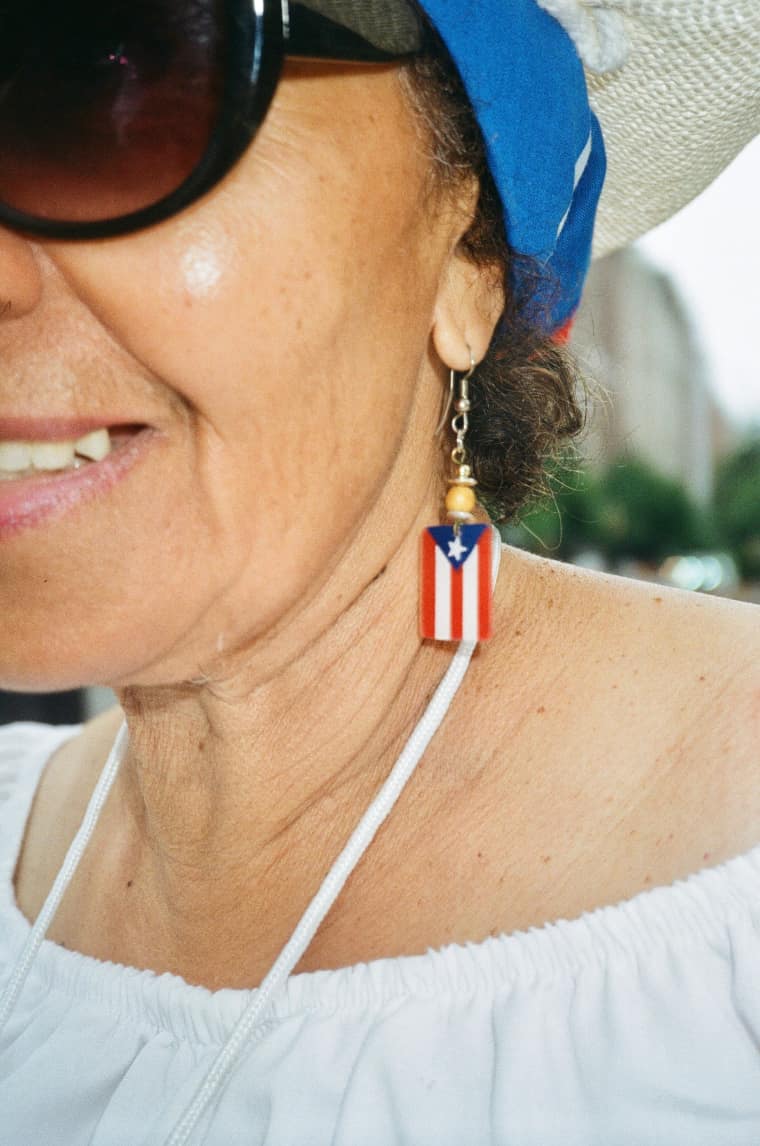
x: 446, y: 540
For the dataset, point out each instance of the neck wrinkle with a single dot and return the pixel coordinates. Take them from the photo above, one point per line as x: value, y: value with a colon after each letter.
x: 226, y: 781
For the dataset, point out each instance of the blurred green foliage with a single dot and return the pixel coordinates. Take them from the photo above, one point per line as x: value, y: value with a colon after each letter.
x: 737, y: 506
x: 630, y: 510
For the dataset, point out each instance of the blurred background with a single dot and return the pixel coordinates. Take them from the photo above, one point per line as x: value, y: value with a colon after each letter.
x: 667, y: 484
x: 667, y: 487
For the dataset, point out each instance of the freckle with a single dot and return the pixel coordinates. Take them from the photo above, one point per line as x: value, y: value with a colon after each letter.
x: 608, y: 799
x: 546, y: 859
x: 480, y: 855
x: 633, y: 832
x: 614, y: 686
x: 518, y: 632
x: 658, y: 600
x: 201, y: 745
x: 550, y: 602
x: 706, y: 856
x: 541, y: 708
x: 647, y: 879
x: 130, y: 882
x: 702, y: 677
x: 671, y: 836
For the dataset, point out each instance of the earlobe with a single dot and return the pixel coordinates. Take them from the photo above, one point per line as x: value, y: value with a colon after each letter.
x: 468, y: 306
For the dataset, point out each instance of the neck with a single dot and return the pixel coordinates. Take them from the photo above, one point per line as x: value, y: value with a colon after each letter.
x: 255, y: 779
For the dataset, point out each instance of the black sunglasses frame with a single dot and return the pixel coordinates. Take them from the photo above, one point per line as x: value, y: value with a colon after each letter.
x: 261, y: 34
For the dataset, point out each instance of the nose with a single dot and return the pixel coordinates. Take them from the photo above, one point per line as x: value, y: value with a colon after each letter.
x: 20, y: 276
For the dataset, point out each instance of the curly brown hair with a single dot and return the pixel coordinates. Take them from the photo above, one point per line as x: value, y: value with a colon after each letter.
x: 528, y: 401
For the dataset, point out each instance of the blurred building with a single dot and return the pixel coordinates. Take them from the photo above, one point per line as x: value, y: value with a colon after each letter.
x: 633, y: 335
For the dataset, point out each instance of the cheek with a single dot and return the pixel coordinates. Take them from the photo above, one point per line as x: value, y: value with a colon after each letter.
x: 202, y: 267
x: 284, y: 312
x: 281, y: 325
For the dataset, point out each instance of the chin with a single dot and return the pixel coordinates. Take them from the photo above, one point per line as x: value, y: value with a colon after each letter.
x: 56, y: 662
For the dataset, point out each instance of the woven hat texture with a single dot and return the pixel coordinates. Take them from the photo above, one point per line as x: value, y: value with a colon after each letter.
x: 675, y: 85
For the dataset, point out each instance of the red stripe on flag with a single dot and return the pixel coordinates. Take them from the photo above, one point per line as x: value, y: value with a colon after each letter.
x: 456, y: 603
x: 485, y: 592
x: 427, y: 586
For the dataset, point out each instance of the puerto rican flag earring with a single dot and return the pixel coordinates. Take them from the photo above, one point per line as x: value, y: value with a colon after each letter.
x: 456, y: 594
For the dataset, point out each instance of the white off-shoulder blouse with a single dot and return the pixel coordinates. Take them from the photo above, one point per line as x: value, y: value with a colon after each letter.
x: 633, y: 1025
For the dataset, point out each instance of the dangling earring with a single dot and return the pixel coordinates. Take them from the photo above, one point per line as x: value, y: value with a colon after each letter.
x: 456, y: 595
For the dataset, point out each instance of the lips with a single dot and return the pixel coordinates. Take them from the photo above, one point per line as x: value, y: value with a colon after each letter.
x: 30, y: 501
x: 18, y: 428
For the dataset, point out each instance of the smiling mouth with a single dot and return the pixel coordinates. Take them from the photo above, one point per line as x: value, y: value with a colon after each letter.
x: 52, y: 478
x: 23, y: 458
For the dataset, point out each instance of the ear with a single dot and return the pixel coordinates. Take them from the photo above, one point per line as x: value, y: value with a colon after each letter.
x: 470, y: 301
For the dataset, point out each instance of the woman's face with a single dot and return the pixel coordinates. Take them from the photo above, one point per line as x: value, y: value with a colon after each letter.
x: 276, y: 338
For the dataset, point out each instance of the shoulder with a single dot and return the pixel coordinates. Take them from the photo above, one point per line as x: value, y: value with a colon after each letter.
x: 25, y: 747
x: 679, y: 653
x: 70, y: 772
x: 627, y: 709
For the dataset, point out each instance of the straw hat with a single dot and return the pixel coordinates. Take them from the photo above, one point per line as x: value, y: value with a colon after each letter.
x: 676, y: 87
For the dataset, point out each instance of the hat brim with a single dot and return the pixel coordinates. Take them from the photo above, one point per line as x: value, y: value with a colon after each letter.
x: 683, y: 105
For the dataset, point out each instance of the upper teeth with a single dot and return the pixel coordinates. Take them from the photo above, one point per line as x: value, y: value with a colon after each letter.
x: 18, y: 456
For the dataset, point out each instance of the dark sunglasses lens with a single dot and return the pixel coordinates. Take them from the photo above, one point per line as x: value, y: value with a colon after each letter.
x: 105, y: 107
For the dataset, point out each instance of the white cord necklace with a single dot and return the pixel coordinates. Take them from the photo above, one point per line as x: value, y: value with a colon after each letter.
x: 293, y: 950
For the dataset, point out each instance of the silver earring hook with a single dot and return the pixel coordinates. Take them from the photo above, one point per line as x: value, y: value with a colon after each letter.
x: 465, y: 378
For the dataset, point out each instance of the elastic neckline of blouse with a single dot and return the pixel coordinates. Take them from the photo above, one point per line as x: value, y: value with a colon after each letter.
x: 697, y: 910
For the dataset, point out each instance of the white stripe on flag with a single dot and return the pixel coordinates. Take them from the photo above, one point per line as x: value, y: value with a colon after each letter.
x: 470, y: 589
x: 442, y: 596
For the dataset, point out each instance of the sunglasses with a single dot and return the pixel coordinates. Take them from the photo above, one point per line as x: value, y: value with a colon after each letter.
x: 116, y: 114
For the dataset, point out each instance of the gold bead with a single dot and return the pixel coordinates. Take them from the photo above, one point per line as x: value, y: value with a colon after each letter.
x: 460, y: 498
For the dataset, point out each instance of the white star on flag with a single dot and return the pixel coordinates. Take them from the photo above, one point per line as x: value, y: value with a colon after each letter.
x: 456, y: 549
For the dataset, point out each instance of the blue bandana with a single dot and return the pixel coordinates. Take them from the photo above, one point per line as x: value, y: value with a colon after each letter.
x: 526, y: 84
